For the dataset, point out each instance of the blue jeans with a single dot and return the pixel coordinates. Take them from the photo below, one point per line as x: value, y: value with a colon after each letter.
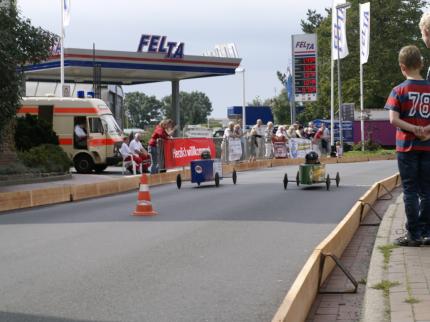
x: 154, y: 159
x: 414, y: 170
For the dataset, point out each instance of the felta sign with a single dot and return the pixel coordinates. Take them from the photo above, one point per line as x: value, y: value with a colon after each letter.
x: 159, y: 44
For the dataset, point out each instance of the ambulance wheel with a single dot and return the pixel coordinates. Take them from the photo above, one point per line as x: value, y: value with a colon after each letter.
x: 298, y: 178
x: 83, y: 163
x: 327, y: 182
x: 99, y: 168
x: 234, y: 177
x: 216, y: 179
x: 285, y: 181
x: 179, y: 181
x: 337, y: 179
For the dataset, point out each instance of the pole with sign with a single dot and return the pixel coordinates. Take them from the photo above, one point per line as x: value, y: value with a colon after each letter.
x: 305, y: 71
x: 364, y: 55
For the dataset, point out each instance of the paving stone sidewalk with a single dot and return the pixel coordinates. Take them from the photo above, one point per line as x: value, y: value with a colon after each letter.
x: 404, y: 273
x: 409, y: 301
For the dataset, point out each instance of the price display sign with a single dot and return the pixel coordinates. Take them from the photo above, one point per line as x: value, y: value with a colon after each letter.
x: 304, y: 52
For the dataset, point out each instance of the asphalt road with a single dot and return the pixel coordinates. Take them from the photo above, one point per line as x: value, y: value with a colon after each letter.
x: 212, y: 254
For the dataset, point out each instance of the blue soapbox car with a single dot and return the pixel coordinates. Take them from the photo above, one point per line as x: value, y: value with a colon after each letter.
x: 205, y: 170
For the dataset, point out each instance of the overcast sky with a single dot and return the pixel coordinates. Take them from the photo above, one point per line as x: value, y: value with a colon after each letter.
x: 261, y: 31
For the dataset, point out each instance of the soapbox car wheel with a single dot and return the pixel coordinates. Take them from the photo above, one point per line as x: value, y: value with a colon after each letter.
x: 234, y: 176
x: 285, y: 181
x: 179, y: 181
x: 327, y: 182
x: 216, y: 179
x: 298, y: 178
x: 337, y: 179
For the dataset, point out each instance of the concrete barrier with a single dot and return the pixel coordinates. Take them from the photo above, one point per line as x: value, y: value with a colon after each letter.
x: 48, y: 196
x: 15, y: 200
x: 107, y: 187
x: 336, y: 242
x: 129, y: 183
x: 299, y: 299
x: 388, y: 184
x: 84, y: 191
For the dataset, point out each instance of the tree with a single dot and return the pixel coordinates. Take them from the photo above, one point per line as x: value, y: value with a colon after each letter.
x: 20, y: 43
x: 281, y: 108
x: 195, y: 107
x: 314, y: 20
x: 257, y: 101
x: 393, y: 24
x: 142, y: 110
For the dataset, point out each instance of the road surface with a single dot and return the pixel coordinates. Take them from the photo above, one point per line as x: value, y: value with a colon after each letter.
x: 212, y: 254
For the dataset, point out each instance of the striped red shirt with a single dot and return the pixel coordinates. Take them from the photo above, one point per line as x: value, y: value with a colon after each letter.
x: 411, y: 99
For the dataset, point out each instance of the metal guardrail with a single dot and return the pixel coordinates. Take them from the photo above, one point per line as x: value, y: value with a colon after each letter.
x: 221, y: 151
x: 246, y: 149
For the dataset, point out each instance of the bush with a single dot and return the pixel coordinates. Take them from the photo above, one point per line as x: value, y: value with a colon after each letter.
x: 31, y: 132
x: 46, y: 158
x: 369, y: 145
x: 16, y: 168
x: 347, y: 147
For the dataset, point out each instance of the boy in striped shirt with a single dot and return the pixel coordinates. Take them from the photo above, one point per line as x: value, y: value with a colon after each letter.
x: 409, y: 106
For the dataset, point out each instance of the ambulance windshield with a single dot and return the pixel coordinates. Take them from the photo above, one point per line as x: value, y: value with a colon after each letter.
x: 111, y: 124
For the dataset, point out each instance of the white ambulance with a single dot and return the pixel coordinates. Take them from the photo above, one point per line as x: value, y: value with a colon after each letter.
x: 96, y: 150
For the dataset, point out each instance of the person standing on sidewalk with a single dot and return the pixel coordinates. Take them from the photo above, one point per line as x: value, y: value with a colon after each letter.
x: 268, y: 136
x: 259, y: 136
x: 409, y: 106
x: 163, y: 131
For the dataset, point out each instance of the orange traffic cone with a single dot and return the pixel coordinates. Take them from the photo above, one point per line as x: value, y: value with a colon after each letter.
x: 144, y: 205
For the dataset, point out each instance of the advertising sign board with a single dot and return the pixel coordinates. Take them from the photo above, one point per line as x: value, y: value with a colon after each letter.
x: 348, y: 111
x: 180, y: 152
x: 347, y: 129
x: 304, y: 52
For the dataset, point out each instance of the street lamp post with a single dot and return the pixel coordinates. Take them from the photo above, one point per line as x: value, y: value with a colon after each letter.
x: 345, y: 5
x: 244, y: 145
x: 242, y: 70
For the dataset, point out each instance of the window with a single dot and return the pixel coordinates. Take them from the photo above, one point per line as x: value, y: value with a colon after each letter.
x: 111, y: 125
x: 96, y: 125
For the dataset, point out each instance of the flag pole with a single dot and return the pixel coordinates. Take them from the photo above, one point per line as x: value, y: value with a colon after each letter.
x: 62, y: 49
x: 361, y: 107
x: 364, y: 55
x: 332, y: 103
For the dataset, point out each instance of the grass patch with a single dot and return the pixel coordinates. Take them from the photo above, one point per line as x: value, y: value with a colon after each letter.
x: 385, y: 286
x: 412, y: 300
x: 363, y: 281
x: 386, y: 250
x: 380, y: 152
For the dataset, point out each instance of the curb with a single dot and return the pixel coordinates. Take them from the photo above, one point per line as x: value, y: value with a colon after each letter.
x: 374, y: 299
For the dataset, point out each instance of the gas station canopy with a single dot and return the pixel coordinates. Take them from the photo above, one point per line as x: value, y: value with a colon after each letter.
x: 126, y: 68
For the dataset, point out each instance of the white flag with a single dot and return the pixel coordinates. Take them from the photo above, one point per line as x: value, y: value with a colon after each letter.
x: 66, y: 12
x: 339, y: 46
x: 364, y: 32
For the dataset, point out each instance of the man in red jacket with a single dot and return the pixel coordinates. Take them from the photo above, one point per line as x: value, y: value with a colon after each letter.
x: 162, y: 131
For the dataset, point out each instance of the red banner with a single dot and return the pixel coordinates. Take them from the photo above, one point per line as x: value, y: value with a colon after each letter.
x: 179, y: 152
